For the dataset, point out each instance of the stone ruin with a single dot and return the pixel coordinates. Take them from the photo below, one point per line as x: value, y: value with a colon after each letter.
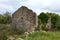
x: 24, y: 19
x: 48, y: 25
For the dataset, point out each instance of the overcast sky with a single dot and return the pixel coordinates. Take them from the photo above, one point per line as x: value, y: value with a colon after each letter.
x: 36, y: 5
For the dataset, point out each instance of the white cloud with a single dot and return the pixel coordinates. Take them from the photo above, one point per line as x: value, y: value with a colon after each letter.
x: 36, y: 5
x: 4, y: 8
x: 3, y: 1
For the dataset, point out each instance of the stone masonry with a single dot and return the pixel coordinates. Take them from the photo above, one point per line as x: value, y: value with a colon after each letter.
x: 48, y: 25
x: 24, y: 19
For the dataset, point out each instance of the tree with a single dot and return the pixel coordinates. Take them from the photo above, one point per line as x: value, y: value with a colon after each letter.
x: 54, y: 19
x: 1, y: 19
x: 42, y: 20
x: 57, y: 24
x: 44, y: 17
x: 5, y: 18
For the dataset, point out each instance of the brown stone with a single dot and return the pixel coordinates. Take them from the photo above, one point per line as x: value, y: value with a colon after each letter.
x: 48, y: 25
x: 24, y: 19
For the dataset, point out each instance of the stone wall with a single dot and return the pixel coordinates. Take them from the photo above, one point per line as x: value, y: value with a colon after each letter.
x: 24, y: 19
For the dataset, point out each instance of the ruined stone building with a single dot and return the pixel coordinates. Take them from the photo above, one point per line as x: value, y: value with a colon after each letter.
x: 48, y: 25
x: 24, y: 19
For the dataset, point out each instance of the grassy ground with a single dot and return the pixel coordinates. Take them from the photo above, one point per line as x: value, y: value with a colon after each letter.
x: 44, y: 36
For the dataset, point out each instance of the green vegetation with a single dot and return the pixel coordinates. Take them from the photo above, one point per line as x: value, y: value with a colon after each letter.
x: 5, y: 20
x: 43, y: 36
x: 43, y: 18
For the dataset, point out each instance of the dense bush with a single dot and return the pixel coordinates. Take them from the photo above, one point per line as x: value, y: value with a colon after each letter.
x: 43, y: 19
x: 3, y: 35
x: 5, y: 18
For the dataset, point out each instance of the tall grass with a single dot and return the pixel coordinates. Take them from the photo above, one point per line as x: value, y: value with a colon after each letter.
x: 44, y: 36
